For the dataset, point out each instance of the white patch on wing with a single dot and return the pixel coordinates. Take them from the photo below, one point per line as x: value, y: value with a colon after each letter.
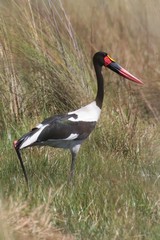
x: 89, y: 113
x: 33, y: 138
x: 72, y: 136
x: 39, y: 125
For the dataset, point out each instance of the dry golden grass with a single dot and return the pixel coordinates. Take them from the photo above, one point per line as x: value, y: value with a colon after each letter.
x: 16, y: 224
x: 46, y: 49
x: 129, y: 31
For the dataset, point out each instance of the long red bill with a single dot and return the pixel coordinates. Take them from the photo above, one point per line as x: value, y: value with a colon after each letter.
x: 111, y: 64
x: 129, y: 76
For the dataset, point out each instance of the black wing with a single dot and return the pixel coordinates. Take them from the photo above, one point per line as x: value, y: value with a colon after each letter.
x: 54, y: 128
x: 61, y: 127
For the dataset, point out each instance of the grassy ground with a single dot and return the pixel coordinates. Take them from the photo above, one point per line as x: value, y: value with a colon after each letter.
x: 46, y: 68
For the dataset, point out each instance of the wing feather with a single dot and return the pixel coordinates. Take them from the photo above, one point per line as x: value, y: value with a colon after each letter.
x: 59, y: 127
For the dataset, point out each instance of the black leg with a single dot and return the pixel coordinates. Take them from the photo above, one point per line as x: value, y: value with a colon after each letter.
x: 74, y: 152
x: 72, y: 166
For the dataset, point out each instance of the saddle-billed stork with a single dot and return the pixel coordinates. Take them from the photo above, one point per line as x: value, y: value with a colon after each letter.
x: 69, y: 130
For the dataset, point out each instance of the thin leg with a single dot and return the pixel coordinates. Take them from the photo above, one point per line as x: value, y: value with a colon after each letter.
x: 74, y: 152
x: 72, y: 165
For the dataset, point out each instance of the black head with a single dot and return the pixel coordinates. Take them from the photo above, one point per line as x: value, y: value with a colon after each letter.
x: 98, y: 58
x: 103, y: 59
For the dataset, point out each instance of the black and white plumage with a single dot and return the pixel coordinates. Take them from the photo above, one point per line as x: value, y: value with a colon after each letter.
x: 69, y: 130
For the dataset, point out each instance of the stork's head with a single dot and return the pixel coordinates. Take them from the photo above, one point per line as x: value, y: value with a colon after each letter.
x: 103, y: 59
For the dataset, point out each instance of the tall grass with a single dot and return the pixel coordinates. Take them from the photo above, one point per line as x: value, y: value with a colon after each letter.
x: 36, y: 60
x: 46, y: 49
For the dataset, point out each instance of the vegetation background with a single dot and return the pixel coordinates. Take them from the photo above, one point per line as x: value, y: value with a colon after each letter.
x: 46, y: 50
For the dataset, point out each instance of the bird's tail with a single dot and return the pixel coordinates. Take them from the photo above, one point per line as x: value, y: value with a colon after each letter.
x: 24, y: 142
x: 17, y: 145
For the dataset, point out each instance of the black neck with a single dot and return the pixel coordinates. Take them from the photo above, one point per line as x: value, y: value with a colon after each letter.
x: 100, y: 85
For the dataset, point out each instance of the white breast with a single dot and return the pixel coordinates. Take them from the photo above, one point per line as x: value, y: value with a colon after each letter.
x: 89, y: 113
